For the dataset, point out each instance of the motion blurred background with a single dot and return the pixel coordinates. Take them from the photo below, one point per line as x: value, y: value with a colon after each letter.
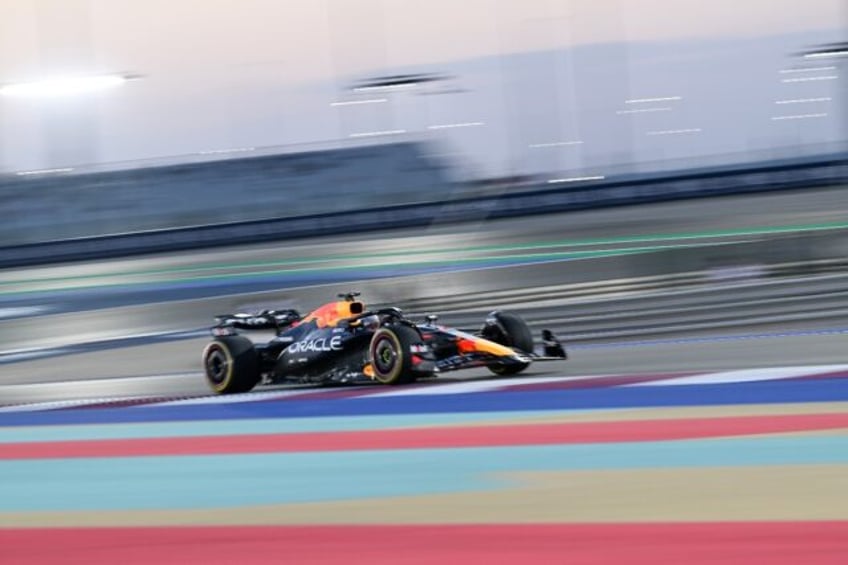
x: 222, y: 111
x: 661, y: 183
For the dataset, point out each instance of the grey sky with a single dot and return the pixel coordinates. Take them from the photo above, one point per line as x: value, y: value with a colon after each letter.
x: 239, y: 73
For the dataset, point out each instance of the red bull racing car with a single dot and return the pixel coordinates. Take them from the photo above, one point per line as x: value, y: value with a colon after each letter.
x: 344, y: 342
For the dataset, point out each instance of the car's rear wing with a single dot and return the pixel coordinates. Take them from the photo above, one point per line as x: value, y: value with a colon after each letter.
x: 264, y: 320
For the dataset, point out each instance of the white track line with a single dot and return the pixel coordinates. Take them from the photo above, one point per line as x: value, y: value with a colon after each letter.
x: 746, y: 375
x: 238, y: 398
x: 492, y: 385
x: 59, y: 404
x: 22, y: 311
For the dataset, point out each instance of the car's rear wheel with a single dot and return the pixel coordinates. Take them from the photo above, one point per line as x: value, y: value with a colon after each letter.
x: 231, y: 365
x: 391, y: 356
x: 510, y: 330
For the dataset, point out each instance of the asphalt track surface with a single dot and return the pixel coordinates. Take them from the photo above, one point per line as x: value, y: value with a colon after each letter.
x: 708, y: 447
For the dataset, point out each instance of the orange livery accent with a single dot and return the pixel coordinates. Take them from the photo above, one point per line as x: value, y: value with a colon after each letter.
x: 472, y: 344
x: 331, y: 314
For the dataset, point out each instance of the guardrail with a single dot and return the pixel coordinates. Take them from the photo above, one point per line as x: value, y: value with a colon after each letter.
x: 530, y: 200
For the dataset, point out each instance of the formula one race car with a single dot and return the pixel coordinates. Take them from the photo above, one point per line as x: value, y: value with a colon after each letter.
x: 343, y: 342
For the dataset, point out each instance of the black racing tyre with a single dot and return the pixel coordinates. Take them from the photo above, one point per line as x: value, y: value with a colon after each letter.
x: 506, y: 370
x: 515, y: 332
x: 231, y: 365
x: 512, y: 332
x: 390, y: 355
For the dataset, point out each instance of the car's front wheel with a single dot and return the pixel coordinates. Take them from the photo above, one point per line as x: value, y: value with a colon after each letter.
x: 510, y: 330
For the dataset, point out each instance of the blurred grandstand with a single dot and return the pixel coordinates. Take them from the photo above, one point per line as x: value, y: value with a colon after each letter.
x: 88, y: 202
x: 216, y: 190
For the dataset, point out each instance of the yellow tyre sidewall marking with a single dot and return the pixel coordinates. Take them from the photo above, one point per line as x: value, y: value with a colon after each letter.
x: 399, y: 361
x: 222, y: 386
